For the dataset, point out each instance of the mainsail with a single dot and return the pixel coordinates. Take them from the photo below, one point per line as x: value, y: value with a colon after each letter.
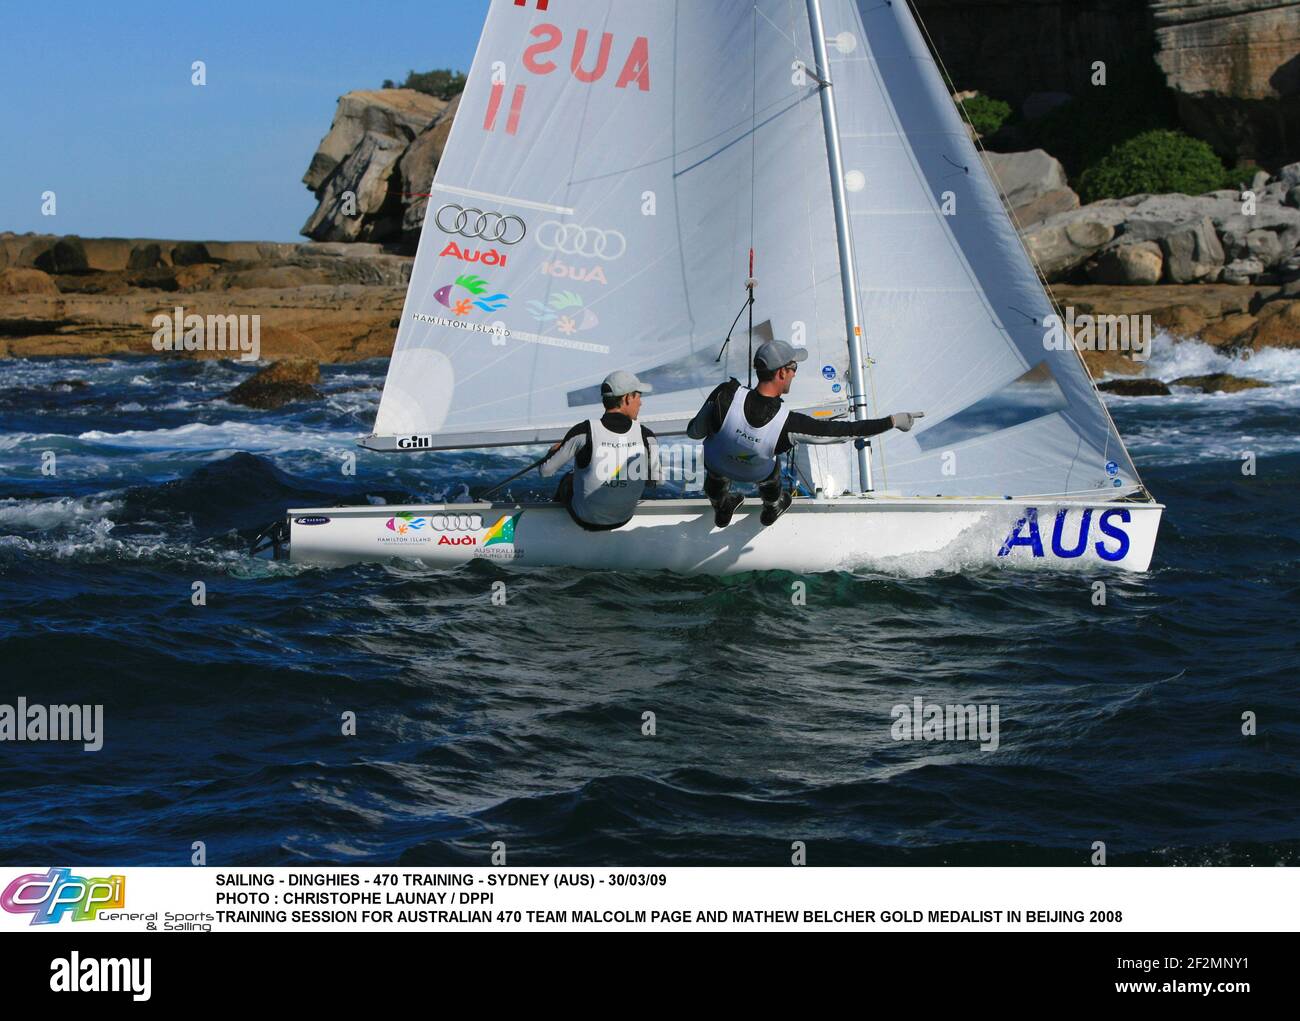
x: 611, y: 168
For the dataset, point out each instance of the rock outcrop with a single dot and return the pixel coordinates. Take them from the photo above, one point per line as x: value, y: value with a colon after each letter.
x: 27, y: 281
x: 353, y: 170
x: 1134, y: 387
x: 278, y: 384
x: 328, y: 302
x: 1234, y: 65
x: 1219, y: 383
x: 1218, y: 236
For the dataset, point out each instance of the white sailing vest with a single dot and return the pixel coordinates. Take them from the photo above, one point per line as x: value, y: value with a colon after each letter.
x: 606, y: 492
x: 741, y: 451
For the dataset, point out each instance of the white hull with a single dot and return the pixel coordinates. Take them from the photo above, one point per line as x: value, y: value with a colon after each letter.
x: 909, y: 535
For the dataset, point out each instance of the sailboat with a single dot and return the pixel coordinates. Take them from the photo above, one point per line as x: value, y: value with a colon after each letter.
x: 619, y: 180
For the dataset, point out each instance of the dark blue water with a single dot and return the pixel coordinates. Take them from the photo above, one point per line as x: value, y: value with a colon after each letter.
x: 479, y: 723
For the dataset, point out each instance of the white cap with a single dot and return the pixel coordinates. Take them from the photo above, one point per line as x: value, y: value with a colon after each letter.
x: 621, y: 382
x: 776, y: 354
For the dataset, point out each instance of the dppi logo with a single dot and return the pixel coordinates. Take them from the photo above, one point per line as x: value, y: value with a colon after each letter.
x: 1027, y: 533
x: 47, y: 898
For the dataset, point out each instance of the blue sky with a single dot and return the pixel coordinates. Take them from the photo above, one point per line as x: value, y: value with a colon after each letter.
x: 96, y: 105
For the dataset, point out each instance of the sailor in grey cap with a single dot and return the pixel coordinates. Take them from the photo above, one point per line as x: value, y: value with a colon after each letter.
x: 614, y: 458
x: 745, y: 431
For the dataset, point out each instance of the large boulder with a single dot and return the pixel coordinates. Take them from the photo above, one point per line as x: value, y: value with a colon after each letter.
x: 1134, y: 387
x: 1064, y: 242
x: 1193, y: 253
x: 278, y: 384
x: 1034, y: 184
x: 1277, y: 325
x: 65, y: 255
x: 1137, y: 264
x: 26, y: 281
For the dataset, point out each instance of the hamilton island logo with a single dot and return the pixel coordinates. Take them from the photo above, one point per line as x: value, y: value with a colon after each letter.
x: 476, y: 287
x: 48, y: 897
x: 404, y: 522
x: 566, y: 311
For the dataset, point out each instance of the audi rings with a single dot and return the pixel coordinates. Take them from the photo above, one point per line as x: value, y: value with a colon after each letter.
x: 587, y: 242
x: 475, y: 223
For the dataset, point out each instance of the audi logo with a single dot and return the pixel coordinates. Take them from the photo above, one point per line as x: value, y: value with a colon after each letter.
x: 475, y: 223
x: 589, y: 242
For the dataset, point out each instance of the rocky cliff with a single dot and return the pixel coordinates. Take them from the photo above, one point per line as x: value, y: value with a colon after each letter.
x: 1233, y: 65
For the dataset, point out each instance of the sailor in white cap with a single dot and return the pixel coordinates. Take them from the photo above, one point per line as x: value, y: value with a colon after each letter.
x: 744, y: 437
x: 614, y: 458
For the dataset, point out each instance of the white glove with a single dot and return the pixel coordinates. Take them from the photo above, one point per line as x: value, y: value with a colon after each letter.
x: 904, y: 420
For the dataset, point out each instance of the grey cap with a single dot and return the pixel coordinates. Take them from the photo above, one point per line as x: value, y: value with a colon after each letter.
x: 777, y: 353
x: 621, y: 382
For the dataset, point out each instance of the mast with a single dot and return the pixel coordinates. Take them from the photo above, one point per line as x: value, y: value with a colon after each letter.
x: 848, y: 267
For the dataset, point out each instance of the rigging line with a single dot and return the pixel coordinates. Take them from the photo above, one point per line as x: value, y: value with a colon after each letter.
x: 783, y: 35
x: 788, y: 106
x: 1038, y: 270
x: 753, y: 181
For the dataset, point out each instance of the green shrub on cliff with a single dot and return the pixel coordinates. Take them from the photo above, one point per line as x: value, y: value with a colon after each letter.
x: 986, y: 114
x: 444, y: 84
x: 1156, y: 161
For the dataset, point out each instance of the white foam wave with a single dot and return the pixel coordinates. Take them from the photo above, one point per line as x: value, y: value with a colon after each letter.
x: 229, y: 435
x: 1171, y: 360
x: 48, y: 515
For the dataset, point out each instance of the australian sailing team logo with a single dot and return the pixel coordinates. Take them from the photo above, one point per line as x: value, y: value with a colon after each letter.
x: 565, y: 311
x: 503, y: 532
x: 468, y: 292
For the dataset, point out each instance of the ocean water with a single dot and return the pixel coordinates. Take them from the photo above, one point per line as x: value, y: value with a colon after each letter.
x: 478, y: 723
